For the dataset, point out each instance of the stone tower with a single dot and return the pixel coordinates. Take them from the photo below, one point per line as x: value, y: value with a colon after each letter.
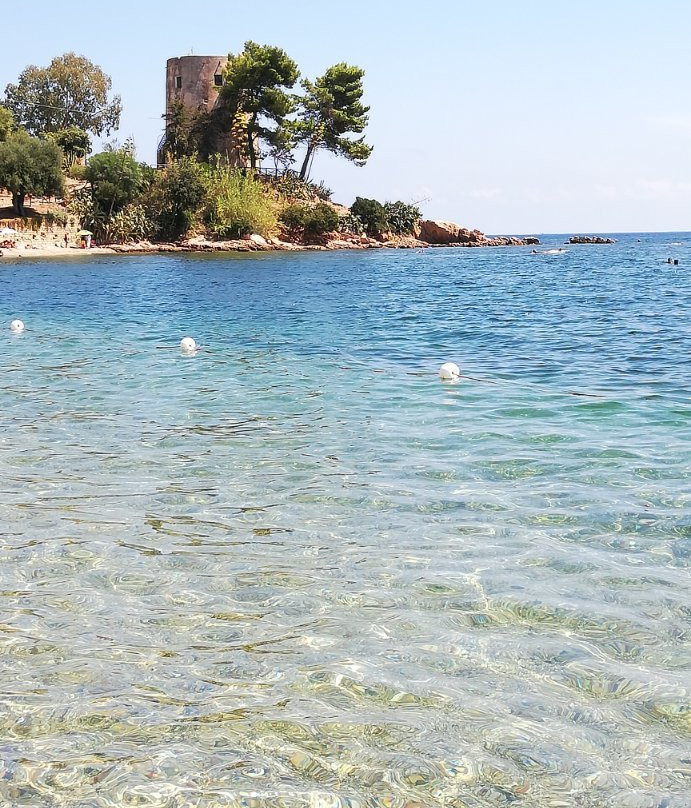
x: 194, y: 81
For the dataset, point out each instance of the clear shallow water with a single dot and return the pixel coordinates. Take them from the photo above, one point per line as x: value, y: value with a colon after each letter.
x: 298, y: 570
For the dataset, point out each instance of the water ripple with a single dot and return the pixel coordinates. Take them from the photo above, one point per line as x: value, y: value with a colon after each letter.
x: 297, y: 570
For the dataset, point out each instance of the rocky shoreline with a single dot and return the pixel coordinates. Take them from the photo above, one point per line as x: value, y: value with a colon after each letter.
x: 428, y: 234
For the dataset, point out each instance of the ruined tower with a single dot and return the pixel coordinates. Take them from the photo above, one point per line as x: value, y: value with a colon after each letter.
x: 193, y: 81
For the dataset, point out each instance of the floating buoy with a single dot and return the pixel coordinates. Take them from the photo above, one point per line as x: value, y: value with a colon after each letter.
x: 188, y: 345
x: 16, y: 326
x: 449, y: 372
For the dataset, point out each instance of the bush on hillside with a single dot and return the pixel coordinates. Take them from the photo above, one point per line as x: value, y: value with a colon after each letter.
x: 351, y: 224
x: 372, y: 215
x: 310, y: 220
x: 294, y: 217
x: 132, y: 223
x: 321, y: 190
x: 237, y: 205
x: 116, y: 179
x: 401, y: 218
x: 77, y: 172
x: 322, y: 219
x: 56, y: 218
x: 290, y: 186
x: 176, y: 197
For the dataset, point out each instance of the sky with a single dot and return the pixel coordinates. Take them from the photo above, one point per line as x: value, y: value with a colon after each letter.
x: 539, y: 116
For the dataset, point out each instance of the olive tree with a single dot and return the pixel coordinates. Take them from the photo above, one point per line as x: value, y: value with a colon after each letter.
x: 30, y: 166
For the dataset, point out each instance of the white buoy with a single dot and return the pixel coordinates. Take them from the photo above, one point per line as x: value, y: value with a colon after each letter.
x: 449, y: 372
x: 188, y: 345
x: 17, y: 326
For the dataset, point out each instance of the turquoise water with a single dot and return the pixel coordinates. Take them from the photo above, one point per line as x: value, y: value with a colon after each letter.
x: 297, y: 569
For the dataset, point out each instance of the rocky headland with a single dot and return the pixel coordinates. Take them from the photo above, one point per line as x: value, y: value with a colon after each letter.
x: 40, y: 236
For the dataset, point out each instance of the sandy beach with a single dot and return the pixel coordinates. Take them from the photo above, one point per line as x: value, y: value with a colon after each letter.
x: 26, y: 249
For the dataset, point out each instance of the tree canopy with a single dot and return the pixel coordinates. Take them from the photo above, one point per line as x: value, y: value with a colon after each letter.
x: 177, y: 195
x: 116, y: 178
x: 330, y: 109
x: 74, y: 142
x: 71, y: 92
x: 29, y: 165
x: 177, y: 142
x: 257, y: 116
x: 255, y: 84
x: 6, y: 123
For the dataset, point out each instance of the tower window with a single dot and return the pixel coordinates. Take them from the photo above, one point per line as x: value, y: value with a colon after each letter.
x: 178, y: 82
x: 218, y: 80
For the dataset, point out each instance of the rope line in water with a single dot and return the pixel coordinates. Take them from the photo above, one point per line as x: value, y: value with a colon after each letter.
x: 543, y: 388
x: 534, y: 387
x: 17, y: 326
x: 520, y: 385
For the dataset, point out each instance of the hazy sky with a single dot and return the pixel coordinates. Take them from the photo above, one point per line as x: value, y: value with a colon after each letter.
x: 513, y: 117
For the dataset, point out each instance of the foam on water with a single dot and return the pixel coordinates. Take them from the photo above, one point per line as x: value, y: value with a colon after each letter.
x: 327, y: 585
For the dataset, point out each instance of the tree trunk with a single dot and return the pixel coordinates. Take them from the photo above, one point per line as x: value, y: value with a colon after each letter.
x: 18, y: 203
x: 250, y: 142
x: 306, y: 161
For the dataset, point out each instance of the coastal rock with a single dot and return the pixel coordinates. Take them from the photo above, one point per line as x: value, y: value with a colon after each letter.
x: 339, y: 244
x: 591, y: 240
x: 440, y: 232
x: 260, y: 241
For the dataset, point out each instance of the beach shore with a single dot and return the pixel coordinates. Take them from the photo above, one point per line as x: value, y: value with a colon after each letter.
x: 28, y: 250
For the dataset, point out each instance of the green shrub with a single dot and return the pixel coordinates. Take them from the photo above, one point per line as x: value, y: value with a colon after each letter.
x: 237, y: 205
x: 294, y: 217
x: 116, y: 179
x: 177, y: 196
x: 351, y: 224
x: 401, y: 218
x: 132, y: 223
x: 310, y: 220
x: 372, y: 215
x: 321, y: 191
x: 291, y: 186
x: 77, y: 172
x: 57, y: 217
x: 322, y: 219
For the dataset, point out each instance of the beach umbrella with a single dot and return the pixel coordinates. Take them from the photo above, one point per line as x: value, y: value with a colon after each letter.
x: 85, y: 233
x: 7, y: 231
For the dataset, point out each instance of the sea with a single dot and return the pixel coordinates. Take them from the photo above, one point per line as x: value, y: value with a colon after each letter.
x: 295, y: 569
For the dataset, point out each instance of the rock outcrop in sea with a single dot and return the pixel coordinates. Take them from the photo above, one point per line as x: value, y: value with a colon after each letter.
x: 591, y: 240
x: 437, y: 232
